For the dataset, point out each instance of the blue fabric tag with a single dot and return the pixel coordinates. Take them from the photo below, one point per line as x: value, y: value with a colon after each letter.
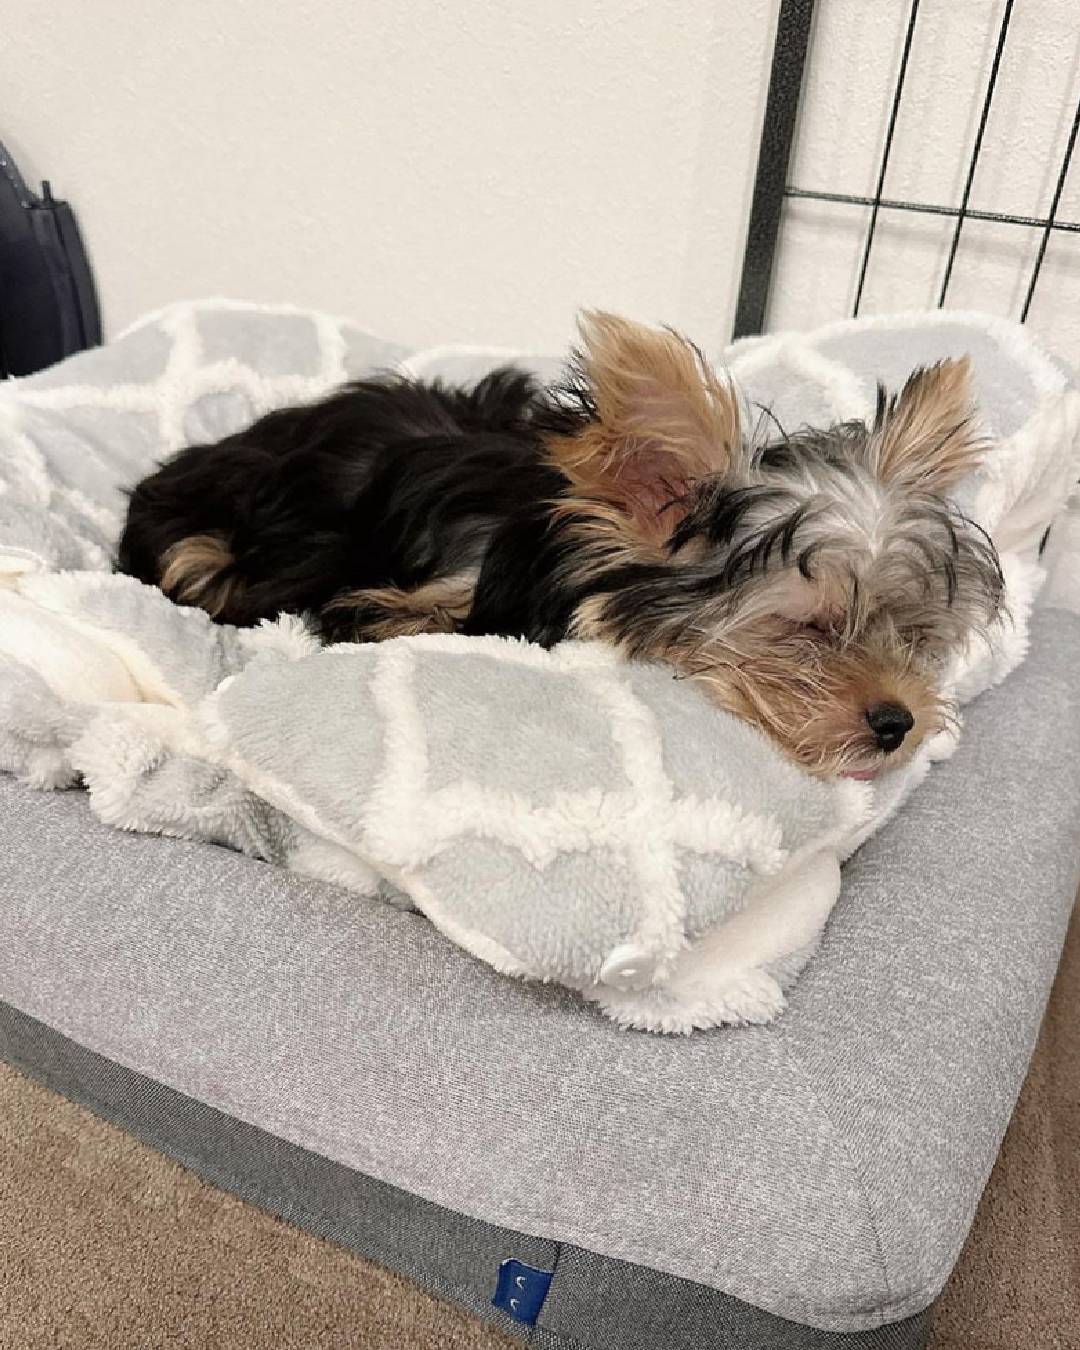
x: 521, y: 1291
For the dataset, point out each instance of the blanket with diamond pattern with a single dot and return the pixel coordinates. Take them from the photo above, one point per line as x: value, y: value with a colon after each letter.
x: 562, y: 815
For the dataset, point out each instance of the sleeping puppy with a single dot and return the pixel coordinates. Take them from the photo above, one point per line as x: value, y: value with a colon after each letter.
x: 816, y: 586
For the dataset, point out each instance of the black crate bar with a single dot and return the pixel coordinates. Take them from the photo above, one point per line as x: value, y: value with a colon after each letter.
x: 771, y: 187
x: 928, y: 208
x: 875, y: 205
x: 1003, y: 33
x: 778, y: 132
x: 1052, y: 223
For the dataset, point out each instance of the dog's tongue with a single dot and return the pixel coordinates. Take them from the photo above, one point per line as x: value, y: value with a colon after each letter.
x: 862, y: 775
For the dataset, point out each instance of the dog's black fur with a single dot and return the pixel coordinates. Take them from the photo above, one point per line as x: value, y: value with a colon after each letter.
x: 388, y: 482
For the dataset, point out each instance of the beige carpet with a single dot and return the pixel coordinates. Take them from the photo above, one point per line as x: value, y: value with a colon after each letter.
x: 104, y: 1245
x: 1017, y: 1286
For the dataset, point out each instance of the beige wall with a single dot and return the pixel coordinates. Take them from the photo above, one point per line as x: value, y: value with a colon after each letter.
x: 441, y: 171
x: 476, y: 170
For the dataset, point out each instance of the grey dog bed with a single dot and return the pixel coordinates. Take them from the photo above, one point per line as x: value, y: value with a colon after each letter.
x: 807, y: 1183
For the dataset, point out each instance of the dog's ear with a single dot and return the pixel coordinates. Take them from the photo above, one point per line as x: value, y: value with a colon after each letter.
x: 663, y: 421
x: 926, y: 437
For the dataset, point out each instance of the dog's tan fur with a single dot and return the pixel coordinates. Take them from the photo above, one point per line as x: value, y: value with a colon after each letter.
x: 925, y: 437
x: 383, y: 612
x: 664, y: 420
x: 192, y: 573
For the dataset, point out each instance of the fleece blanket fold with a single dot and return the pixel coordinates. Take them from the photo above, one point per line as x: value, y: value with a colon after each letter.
x: 562, y: 815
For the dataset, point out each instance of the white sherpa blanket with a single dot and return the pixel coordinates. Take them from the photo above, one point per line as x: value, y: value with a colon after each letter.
x: 562, y: 815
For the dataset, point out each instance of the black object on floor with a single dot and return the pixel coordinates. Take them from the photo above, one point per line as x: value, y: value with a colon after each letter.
x: 48, y: 304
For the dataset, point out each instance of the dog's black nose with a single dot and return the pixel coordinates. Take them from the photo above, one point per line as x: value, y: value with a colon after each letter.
x: 890, y: 723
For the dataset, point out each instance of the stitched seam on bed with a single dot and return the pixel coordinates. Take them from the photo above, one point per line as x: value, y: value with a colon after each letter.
x: 878, y: 1308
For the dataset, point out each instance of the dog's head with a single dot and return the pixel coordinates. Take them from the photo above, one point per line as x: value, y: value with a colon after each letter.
x: 817, y: 585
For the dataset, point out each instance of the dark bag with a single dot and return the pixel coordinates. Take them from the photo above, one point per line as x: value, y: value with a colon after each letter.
x: 48, y: 306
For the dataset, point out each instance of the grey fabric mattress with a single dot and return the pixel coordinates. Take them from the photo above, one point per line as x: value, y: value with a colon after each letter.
x: 804, y: 1184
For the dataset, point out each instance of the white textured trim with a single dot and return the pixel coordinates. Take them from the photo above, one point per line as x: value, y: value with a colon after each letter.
x: 119, y: 747
x: 58, y: 593
x: 16, y: 562
x: 333, y: 350
x: 847, y: 396
x: 722, y: 978
x: 20, y: 452
x: 74, y: 665
x: 649, y: 846
x: 393, y: 818
x: 567, y: 656
x: 1014, y: 339
x: 1025, y: 482
x: 212, y: 303
x: 326, y: 860
x: 263, y: 783
x: 986, y: 664
x: 407, y: 823
x: 286, y: 636
x: 480, y: 945
x: 419, y: 364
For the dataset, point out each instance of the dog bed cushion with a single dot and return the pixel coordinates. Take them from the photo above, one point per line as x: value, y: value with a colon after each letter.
x: 561, y: 815
x: 818, y: 1174
x: 823, y: 1169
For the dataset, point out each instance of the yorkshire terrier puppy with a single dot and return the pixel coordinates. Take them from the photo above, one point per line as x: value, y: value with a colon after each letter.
x: 817, y: 585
